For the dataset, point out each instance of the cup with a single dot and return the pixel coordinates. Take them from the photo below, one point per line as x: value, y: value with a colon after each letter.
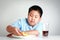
x: 45, y: 30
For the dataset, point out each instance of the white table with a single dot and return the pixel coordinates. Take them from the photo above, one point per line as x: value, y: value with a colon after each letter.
x: 31, y: 38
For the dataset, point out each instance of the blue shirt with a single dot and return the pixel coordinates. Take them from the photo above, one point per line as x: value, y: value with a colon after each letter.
x: 23, y: 25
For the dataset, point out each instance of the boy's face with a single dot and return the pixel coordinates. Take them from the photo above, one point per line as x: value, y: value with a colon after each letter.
x: 33, y: 17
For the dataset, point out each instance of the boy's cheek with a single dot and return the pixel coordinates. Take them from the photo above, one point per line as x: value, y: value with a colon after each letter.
x: 36, y: 21
x: 29, y: 18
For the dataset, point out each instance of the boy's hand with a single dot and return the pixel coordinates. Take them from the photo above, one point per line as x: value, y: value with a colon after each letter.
x: 17, y: 32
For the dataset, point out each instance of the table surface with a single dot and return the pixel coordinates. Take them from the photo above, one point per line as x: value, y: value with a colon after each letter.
x: 31, y: 38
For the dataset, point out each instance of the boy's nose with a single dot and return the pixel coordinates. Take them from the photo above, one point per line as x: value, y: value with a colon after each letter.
x: 33, y: 18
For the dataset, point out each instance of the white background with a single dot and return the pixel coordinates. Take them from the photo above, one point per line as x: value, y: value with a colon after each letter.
x: 12, y: 10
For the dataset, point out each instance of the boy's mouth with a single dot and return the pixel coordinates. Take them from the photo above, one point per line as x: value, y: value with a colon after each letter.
x: 32, y: 22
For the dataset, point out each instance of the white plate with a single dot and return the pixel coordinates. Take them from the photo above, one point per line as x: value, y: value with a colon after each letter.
x: 22, y: 37
x: 18, y: 36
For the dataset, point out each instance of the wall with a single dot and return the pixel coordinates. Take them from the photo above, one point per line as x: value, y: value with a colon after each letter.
x: 12, y: 10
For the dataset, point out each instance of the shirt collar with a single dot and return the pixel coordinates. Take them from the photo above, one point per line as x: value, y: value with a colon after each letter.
x: 30, y: 27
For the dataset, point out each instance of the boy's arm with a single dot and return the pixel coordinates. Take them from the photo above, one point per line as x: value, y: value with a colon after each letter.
x: 13, y: 30
x: 17, y: 32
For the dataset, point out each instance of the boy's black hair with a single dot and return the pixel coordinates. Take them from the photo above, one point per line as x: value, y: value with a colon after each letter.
x: 36, y: 8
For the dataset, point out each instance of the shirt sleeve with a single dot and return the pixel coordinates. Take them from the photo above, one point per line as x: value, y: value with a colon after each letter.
x: 17, y: 24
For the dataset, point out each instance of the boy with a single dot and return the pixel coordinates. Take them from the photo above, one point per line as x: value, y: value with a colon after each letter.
x: 28, y: 26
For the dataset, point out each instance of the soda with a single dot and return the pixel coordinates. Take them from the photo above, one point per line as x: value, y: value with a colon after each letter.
x: 45, y: 33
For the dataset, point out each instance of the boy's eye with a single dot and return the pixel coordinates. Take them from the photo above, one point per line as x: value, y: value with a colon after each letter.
x: 35, y: 16
x: 31, y: 15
